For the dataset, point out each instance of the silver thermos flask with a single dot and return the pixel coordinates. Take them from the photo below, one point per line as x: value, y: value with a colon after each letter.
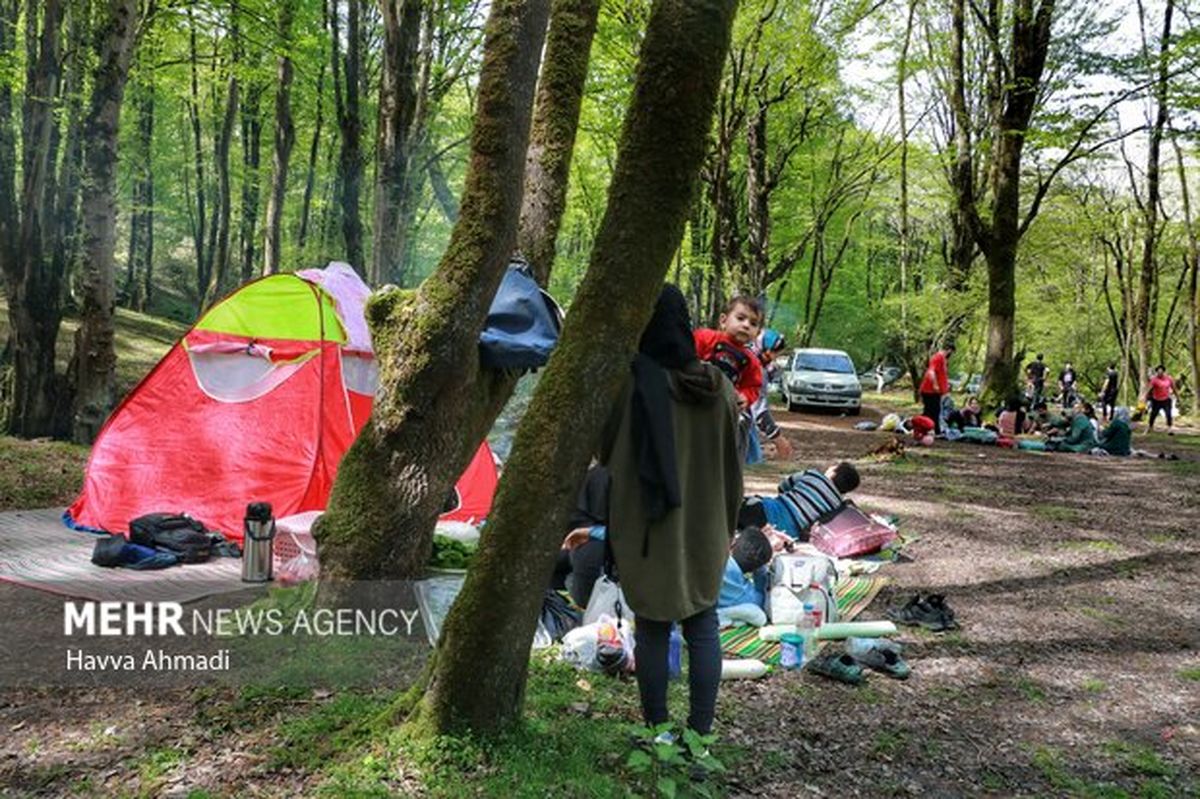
x: 258, y: 543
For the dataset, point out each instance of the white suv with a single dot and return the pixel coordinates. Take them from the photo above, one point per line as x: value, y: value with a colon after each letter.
x: 822, y: 378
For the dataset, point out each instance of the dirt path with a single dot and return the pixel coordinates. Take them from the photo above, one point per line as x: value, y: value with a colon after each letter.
x: 1075, y: 672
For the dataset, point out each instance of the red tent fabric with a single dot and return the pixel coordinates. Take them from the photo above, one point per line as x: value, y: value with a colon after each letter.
x: 229, y: 417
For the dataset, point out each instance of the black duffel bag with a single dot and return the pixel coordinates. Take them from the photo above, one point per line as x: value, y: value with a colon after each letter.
x: 177, y: 533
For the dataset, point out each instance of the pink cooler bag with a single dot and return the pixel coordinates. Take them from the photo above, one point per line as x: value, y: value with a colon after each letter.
x: 850, y: 532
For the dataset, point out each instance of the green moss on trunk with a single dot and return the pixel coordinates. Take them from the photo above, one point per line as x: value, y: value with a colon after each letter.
x: 479, y: 679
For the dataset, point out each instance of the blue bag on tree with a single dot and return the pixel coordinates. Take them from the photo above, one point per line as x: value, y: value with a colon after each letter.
x: 522, y: 324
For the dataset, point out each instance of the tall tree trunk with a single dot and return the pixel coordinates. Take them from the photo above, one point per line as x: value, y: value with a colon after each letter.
x: 251, y: 160
x: 662, y: 146
x: 313, y: 149
x: 220, y: 241
x: 394, y: 142
x: 32, y: 279
x: 138, y: 280
x: 434, y: 403
x: 905, y: 243
x: 1191, y: 263
x: 96, y: 356
x: 555, y: 121
x: 285, y: 139
x: 758, y: 209
x: 199, y: 222
x: 350, y: 122
x: 1147, y: 287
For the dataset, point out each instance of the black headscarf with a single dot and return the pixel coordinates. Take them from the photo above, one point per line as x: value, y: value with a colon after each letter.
x: 666, y: 344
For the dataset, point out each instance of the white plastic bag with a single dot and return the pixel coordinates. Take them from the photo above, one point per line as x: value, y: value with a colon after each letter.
x: 607, y: 599
x: 580, y: 646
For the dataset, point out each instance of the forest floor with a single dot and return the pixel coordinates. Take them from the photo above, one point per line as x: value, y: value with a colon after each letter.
x: 1076, y: 671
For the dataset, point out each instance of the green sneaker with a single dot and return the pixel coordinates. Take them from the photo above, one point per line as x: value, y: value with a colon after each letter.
x: 837, y: 666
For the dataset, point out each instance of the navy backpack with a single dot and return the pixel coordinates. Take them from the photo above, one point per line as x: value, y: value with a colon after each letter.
x: 522, y: 324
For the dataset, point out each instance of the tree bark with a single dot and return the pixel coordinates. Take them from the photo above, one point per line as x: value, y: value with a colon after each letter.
x: 313, y: 149
x: 434, y: 403
x: 350, y: 124
x: 555, y: 122
x: 1191, y: 263
x: 220, y: 241
x: 394, y: 142
x: 251, y: 161
x: 139, y: 266
x: 662, y: 146
x: 199, y: 222
x: 285, y: 139
x: 95, y: 388
x: 1147, y: 287
x: 33, y: 280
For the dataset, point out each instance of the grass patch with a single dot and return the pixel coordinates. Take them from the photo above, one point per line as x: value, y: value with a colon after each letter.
x: 1139, y: 758
x: 1092, y: 545
x: 888, y: 742
x: 340, y: 725
x: 1031, y: 690
x: 1054, y: 513
x: 1094, y: 686
x: 1190, y: 673
x: 1110, y: 619
x: 39, y: 474
x: 573, y: 741
x: 155, y: 765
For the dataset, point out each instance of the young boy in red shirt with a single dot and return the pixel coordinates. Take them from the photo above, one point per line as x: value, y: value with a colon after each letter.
x: 1161, y: 387
x: 728, y: 347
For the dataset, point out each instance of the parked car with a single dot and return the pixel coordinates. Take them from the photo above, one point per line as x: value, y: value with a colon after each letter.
x: 890, y: 375
x: 822, y: 378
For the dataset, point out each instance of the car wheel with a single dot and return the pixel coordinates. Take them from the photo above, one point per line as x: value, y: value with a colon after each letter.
x: 791, y: 406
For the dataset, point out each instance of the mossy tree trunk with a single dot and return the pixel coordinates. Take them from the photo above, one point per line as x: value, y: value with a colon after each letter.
x: 555, y: 121
x: 479, y: 674
x: 96, y: 358
x: 434, y: 403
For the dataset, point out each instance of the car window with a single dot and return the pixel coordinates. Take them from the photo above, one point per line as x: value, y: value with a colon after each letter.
x: 823, y: 362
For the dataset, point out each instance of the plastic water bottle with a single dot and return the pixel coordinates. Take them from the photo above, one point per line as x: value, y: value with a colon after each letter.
x: 806, y: 630
x: 675, y: 653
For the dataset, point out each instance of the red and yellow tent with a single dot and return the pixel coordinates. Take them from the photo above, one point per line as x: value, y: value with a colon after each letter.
x: 256, y: 403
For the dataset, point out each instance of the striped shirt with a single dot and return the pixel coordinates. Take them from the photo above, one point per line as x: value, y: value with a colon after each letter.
x: 807, y: 497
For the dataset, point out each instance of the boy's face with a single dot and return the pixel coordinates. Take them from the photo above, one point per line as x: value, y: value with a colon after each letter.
x: 740, y: 323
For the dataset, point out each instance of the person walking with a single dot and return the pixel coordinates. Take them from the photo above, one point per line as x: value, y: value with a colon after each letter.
x: 1109, y: 391
x: 671, y: 448
x: 936, y: 384
x: 1160, y: 395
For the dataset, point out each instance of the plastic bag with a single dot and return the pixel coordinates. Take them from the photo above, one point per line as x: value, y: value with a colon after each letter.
x: 607, y: 599
x: 605, y: 645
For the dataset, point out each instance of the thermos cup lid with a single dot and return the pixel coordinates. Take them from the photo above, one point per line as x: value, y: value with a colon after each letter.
x: 258, y: 512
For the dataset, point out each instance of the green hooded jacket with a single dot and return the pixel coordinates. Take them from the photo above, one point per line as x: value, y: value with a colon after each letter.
x: 680, y: 574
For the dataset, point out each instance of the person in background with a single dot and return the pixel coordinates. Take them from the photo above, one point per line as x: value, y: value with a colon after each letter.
x: 1011, y: 421
x: 1066, y: 386
x: 1108, y: 391
x: 1035, y: 373
x: 972, y: 413
x: 804, y: 498
x: 936, y: 384
x: 1117, y: 437
x: 1160, y: 393
x: 744, y: 586
x: 1080, y: 437
x: 581, y: 560
x: 768, y: 346
x: 728, y: 348
x: 670, y: 446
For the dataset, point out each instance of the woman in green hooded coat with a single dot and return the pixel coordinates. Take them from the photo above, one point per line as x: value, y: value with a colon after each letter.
x: 670, y: 446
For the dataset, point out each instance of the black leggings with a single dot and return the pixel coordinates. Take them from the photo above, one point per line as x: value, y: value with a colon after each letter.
x: 1160, y: 405
x: 578, y: 570
x: 933, y: 409
x: 652, y: 642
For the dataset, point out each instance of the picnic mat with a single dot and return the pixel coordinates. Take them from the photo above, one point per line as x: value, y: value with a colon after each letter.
x: 852, y: 594
x: 38, y: 551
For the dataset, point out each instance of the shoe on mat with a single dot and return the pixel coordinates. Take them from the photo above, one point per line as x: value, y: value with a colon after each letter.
x: 879, y: 654
x: 837, y: 666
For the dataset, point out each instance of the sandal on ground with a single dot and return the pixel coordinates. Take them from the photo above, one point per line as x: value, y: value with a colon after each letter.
x: 837, y: 666
x: 879, y: 654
